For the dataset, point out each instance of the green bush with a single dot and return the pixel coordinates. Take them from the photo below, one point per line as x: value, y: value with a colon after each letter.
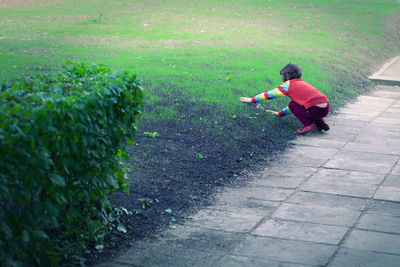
x: 62, y: 139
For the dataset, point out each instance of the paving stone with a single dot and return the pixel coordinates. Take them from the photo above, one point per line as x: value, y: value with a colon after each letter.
x: 240, y: 261
x: 316, y: 214
x: 113, y: 264
x: 328, y: 200
x: 374, y: 100
x: 382, y: 126
x: 225, y: 220
x: 392, y: 181
x: 153, y: 254
x: 255, y: 192
x: 388, y: 193
x: 301, y: 231
x: 382, y: 132
x: 249, y: 206
x: 363, y: 162
x: 363, y: 110
x: 390, y: 139
x: 278, y: 171
x: 396, y: 104
x: 349, y: 176
x: 292, y: 160
x: 388, y: 143
x: 280, y: 182
x: 363, y: 258
x: 373, y: 241
x: 351, y: 125
x: 374, y: 148
x: 307, y: 156
x: 391, y: 113
x: 285, y: 250
x: 387, y: 120
x: 393, y: 110
x: 315, y: 153
x: 316, y: 141
x: 339, y: 133
x: 396, y: 169
x: 387, y: 89
x: 384, y: 207
x: 339, y: 187
x: 356, y: 117
x: 388, y: 73
x: 198, y: 238
x: 379, y: 222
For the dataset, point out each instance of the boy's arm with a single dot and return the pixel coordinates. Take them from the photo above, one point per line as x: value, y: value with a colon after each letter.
x: 281, y: 90
x: 284, y: 112
x: 281, y: 113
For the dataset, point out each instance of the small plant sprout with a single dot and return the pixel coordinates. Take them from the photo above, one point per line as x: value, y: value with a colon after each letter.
x: 122, y: 228
x: 146, y: 202
x: 201, y: 156
x: 153, y: 134
x: 99, y: 247
x: 233, y: 117
x: 168, y: 211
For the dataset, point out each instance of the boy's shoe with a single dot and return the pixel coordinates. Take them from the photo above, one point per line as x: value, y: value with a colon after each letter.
x: 323, y: 126
x: 307, y: 129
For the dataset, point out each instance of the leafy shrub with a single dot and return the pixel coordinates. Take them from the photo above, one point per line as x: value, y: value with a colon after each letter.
x: 62, y: 138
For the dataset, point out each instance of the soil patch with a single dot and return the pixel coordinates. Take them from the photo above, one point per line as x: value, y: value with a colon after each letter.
x: 177, y: 172
x: 194, y: 156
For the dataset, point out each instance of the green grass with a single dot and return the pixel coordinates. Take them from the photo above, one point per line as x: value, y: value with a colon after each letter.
x: 211, y: 51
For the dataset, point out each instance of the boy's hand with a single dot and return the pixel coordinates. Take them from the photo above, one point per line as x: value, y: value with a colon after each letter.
x: 245, y: 99
x: 272, y: 112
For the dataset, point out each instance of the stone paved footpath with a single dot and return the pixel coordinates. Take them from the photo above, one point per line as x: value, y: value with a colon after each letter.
x: 334, y: 200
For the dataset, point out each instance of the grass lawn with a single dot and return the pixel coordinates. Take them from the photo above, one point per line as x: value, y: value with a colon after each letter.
x: 195, y: 60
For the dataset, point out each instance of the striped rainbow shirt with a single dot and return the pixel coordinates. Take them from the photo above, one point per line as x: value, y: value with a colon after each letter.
x: 280, y: 91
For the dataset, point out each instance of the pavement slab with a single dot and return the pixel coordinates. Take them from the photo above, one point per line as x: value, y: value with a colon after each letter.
x: 349, y: 176
x: 317, y: 141
x: 373, y: 241
x: 379, y: 223
x: 290, y: 251
x: 339, y: 187
x: 225, y: 220
x: 301, y: 231
x: 276, y: 170
x: 239, y: 261
x: 396, y: 169
x: 363, y: 162
x: 328, y: 200
x: 363, y: 258
x: 185, y: 236
x: 382, y: 207
x: 388, y: 74
x: 155, y: 254
x: 249, y: 205
x: 332, y: 199
x: 289, y: 182
x: 314, y: 213
x: 392, y: 181
x: 255, y: 192
x: 388, y: 193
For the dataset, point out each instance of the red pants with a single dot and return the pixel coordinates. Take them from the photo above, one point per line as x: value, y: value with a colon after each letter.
x: 309, y: 116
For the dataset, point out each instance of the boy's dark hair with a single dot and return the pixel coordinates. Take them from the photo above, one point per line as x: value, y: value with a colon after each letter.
x: 291, y: 71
